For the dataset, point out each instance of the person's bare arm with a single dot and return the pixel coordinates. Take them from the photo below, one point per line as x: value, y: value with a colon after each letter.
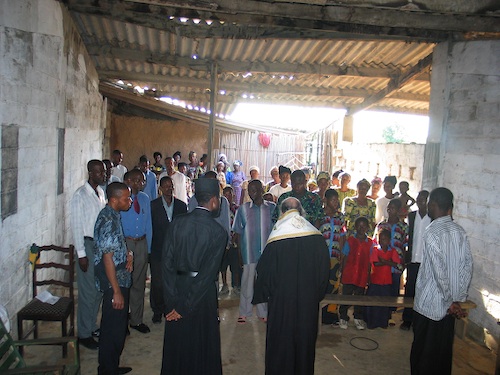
x: 109, y: 267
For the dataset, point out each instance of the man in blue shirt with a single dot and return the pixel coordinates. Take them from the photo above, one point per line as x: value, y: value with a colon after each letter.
x: 150, y: 188
x: 138, y: 233
x: 252, y: 225
x: 113, y: 266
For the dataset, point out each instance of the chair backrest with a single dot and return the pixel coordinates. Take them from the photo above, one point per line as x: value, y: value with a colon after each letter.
x: 9, y: 355
x: 69, y: 267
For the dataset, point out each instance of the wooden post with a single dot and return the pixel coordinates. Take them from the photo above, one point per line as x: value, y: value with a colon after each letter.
x: 211, y: 122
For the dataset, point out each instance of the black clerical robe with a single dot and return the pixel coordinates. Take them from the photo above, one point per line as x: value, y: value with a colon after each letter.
x: 191, y: 258
x: 292, y: 276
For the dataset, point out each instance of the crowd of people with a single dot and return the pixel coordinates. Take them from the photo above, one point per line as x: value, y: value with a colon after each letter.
x: 337, y: 239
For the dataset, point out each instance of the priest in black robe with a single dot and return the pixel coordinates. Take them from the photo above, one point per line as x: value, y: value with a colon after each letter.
x: 192, y: 254
x: 292, y: 277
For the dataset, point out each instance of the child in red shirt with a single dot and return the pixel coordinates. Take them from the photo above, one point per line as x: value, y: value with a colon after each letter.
x: 355, y: 270
x: 382, y: 259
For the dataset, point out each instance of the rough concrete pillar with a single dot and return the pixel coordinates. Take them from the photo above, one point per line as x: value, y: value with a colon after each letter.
x: 463, y: 154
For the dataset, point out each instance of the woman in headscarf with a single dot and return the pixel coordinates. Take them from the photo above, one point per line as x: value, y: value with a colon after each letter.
x: 360, y: 205
x: 237, y: 178
x: 344, y: 190
x: 323, y: 182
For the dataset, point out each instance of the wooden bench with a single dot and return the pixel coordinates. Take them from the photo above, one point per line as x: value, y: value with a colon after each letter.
x: 386, y: 301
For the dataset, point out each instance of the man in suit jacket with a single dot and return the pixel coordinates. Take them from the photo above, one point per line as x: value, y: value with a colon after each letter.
x: 164, y: 209
x: 417, y: 222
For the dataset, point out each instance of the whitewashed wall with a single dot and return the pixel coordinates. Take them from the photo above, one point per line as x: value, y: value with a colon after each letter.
x: 47, y: 84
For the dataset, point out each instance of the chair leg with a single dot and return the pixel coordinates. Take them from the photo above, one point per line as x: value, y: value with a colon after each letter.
x: 64, y: 333
x: 20, y: 334
x: 35, y: 329
x: 72, y: 324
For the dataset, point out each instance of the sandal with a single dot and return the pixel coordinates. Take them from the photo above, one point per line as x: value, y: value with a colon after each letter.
x: 242, y: 320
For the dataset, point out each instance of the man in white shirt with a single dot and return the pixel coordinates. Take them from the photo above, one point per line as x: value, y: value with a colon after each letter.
x: 86, y: 204
x: 284, y: 186
x: 442, y: 283
x: 417, y: 222
x: 119, y: 169
x: 179, y: 179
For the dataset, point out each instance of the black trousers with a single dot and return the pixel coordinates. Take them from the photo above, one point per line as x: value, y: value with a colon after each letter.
x: 156, y: 293
x: 359, y: 311
x: 432, y: 348
x: 411, y: 280
x: 113, y: 333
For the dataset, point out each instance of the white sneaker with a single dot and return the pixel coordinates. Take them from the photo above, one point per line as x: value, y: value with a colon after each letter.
x: 224, y: 290
x: 343, y: 324
x: 360, y: 324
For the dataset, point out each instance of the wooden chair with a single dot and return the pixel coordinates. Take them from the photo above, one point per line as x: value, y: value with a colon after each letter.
x: 11, y: 361
x: 63, y: 309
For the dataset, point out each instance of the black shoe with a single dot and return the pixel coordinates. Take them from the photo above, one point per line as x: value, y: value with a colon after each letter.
x: 157, y: 318
x: 96, y: 333
x: 142, y: 328
x: 405, y: 326
x: 124, y: 370
x: 89, y: 343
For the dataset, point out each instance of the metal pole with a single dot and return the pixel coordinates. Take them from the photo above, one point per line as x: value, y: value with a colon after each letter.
x: 211, y: 123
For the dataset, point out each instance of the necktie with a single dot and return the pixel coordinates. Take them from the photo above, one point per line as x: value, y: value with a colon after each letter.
x: 137, y: 208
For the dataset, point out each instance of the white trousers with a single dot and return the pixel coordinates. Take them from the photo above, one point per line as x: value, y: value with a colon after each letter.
x: 246, y: 295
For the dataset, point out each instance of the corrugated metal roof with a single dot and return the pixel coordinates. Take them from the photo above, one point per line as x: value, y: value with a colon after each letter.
x: 141, y: 50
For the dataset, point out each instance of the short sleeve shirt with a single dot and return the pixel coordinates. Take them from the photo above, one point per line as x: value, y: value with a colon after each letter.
x: 311, y: 203
x: 109, y: 238
x: 336, y: 224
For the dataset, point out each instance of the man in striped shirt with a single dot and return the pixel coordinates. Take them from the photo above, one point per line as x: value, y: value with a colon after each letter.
x: 442, y: 283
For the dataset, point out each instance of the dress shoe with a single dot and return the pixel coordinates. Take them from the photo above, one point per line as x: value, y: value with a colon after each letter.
x: 142, y: 328
x: 157, y: 318
x: 124, y: 370
x: 89, y: 343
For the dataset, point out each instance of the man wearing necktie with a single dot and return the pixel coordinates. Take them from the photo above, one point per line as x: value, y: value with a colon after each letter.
x: 137, y: 229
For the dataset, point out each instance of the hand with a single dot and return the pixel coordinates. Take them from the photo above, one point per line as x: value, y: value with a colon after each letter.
x: 118, y: 302
x: 130, y: 262
x: 83, y: 263
x: 456, y: 310
x: 173, y: 315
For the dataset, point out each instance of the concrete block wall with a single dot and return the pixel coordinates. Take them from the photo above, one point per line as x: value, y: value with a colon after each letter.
x: 49, y: 92
x: 369, y: 160
x: 469, y: 161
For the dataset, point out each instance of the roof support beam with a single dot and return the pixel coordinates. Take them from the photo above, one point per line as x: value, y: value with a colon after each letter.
x: 393, y: 85
x: 240, y: 87
x: 233, y: 99
x: 292, y: 20
x: 108, y: 51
